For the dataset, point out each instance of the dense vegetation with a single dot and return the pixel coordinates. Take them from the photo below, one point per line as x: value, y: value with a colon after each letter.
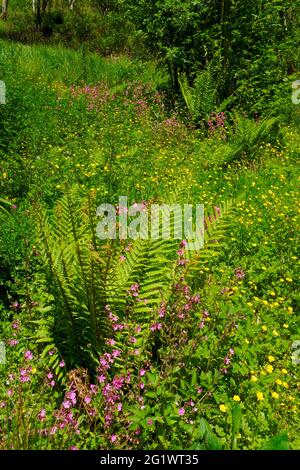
x: 142, y: 344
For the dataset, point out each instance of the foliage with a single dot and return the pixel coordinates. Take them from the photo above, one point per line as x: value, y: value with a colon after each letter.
x: 129, y: 344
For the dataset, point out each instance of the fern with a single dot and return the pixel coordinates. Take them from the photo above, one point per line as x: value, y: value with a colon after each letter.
x: 201, y: 99
x: 85, y: 274
x: 247, y: 135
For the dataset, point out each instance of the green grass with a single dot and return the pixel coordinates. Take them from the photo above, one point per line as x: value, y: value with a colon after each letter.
x: 127, y: 143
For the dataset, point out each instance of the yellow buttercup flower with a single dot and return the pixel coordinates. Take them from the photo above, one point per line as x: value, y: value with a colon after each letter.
x: 269, y: 368
x: 279, y: 382
x: 271, y: 358
x: 260, y: 396
x: 236, y: 398
x: 253, y: 378
x: 284, y: 371
x: 264, y: 328
x: 223, y: 408
x: 275, y: 395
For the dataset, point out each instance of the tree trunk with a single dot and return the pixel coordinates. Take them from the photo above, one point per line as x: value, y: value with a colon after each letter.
x: 40, y: 9
x: 4, y: 9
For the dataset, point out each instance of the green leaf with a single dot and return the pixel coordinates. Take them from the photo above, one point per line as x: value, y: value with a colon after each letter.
x: 279, y: 442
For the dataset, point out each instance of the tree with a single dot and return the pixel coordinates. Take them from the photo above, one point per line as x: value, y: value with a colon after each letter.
x: 4, y: 9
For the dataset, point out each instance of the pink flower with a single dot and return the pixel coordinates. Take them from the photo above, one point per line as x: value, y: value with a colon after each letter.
x: 53, y: 430
x: 71, y: 396
x: 156, y: 326
x: 42, y: 415
x: 10, y: 392
x: 15, y: 305
x: 231, y: 352
x: 49, y: 375
x: 113, y: 438
x: 149, y: 422
x: 116, y: 353
x: 239, y: 273
x: 119, y: 407
x: 28, y: 355
x: 93, y: 389
x: 87, y: 399
x: 110, y: 342
x: 142, y: 372
x: 66, y: 404
x: 12, y: 342
x: 218, y: 210
x: 16, y: 325
x: 62, y: 364
x: 101, y: 378
x: 181, y: 411
x: 24, y: 378
x: 118, y: 327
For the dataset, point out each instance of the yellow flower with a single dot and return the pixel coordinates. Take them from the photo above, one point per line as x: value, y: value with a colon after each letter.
x: 290, y: 310
x: 275, y: 333
x: 264, y: 328
x: 278, y: 381
x: 33, y: 370
x: 285, y: 325
x: 275, y: 395
x: 286, y: 385
x: 269, y: 368
x: 260, y: 396
x: 271, y: 358
x: 253, y: 378
x: 223, y: 408
x: 236, y: 398
x: 284, y: 371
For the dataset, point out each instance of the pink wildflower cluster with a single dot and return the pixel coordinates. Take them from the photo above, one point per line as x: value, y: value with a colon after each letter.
x: 112, y: 390
x: 190, y: 301
x: 205, y: 316
x: 216, y: 122
x: 138, y: 95
x: 114, y: 319
x: 96, y: 96
x: 227, y: 361
x: 182, y: 261
x: 239, y: 273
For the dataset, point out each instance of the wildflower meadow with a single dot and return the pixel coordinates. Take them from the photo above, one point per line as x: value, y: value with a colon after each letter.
x: 138, y: 342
